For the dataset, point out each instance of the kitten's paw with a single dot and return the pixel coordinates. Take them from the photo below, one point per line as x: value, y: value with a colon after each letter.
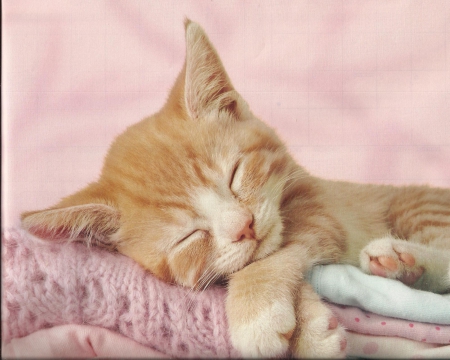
x: 268, y: 334
x: 319, y: 334
x: 393, y: 259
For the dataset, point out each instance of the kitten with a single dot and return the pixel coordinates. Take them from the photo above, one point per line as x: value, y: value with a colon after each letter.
x: 204, y: 190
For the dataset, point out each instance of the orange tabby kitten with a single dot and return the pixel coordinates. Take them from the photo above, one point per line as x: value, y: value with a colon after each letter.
x: 204, y: 190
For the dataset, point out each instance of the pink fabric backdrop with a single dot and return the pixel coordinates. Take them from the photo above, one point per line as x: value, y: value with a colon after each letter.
x: 360, y: 90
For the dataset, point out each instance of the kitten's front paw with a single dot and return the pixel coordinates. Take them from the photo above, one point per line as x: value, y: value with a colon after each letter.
x: 318, y: 334
x: 391, y: 258
x: 267, y: 334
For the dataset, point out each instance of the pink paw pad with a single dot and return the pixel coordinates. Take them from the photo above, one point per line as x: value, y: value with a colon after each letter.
x: 333, y: 323
x: 343, y: 344
x: 382, y: 264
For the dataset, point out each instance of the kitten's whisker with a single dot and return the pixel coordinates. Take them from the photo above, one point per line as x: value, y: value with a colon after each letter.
x: 213, y: 278
x: 205, y: 273
x: 198, y: 285
x: 194, y: 287
x: 207, y: 279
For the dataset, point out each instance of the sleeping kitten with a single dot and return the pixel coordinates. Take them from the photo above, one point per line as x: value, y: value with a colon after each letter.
x: 204, y: 190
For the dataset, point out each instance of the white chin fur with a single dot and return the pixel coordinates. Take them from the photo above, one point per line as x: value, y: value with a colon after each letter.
x: 269, y: 226
x: 271, y: 242
x: 234, y: 256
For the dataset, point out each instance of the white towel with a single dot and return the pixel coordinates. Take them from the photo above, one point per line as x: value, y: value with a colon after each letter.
x: 348, y: 285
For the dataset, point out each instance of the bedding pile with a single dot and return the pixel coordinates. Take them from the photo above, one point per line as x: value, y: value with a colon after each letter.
x: 384, y: 317
x: 67, y: 299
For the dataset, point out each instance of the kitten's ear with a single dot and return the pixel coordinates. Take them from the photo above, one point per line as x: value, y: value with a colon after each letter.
x: 91, y: 221
x: 207, y: 86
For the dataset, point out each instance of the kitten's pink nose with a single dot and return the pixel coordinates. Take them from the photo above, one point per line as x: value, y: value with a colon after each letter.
x: 246, y: 230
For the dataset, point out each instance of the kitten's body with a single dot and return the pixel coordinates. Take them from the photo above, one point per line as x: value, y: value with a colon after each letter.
x: 203, y: 190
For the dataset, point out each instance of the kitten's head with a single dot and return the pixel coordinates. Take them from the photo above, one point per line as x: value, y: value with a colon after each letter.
x: 193, y: 192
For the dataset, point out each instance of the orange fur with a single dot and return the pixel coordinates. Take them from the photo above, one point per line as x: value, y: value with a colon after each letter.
x: 175, y: 186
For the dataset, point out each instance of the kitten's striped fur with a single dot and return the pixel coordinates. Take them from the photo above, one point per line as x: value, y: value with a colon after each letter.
x: 204, y: 190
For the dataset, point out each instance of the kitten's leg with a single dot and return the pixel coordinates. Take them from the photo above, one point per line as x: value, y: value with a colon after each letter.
x: 420, y: 215
x: 318, y: 333
x: 260, y: 306
x: 414, y: 264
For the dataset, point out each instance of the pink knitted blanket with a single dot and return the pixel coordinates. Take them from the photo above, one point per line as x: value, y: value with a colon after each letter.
x: 47, y: 285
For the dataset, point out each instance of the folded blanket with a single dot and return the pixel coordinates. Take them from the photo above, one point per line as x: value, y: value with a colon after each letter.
x: 77, y: 341
x: 382, y: 347
x: 363, y: 322
x: 379, y: 295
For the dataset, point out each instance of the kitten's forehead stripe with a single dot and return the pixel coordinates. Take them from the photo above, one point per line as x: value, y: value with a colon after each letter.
x: 200, y: 174
x: 169, y: 205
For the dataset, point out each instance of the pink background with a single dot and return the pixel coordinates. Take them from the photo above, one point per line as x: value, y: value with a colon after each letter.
x: 360, y: 90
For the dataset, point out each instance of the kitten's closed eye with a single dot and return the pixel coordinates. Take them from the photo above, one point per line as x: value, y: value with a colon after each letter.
x: 233, y: 174
x: 185, y: 237
x: 197, y: 233
x: 236, y: 177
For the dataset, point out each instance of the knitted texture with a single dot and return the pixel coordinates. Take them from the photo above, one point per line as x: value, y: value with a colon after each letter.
x: 53, y: 284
